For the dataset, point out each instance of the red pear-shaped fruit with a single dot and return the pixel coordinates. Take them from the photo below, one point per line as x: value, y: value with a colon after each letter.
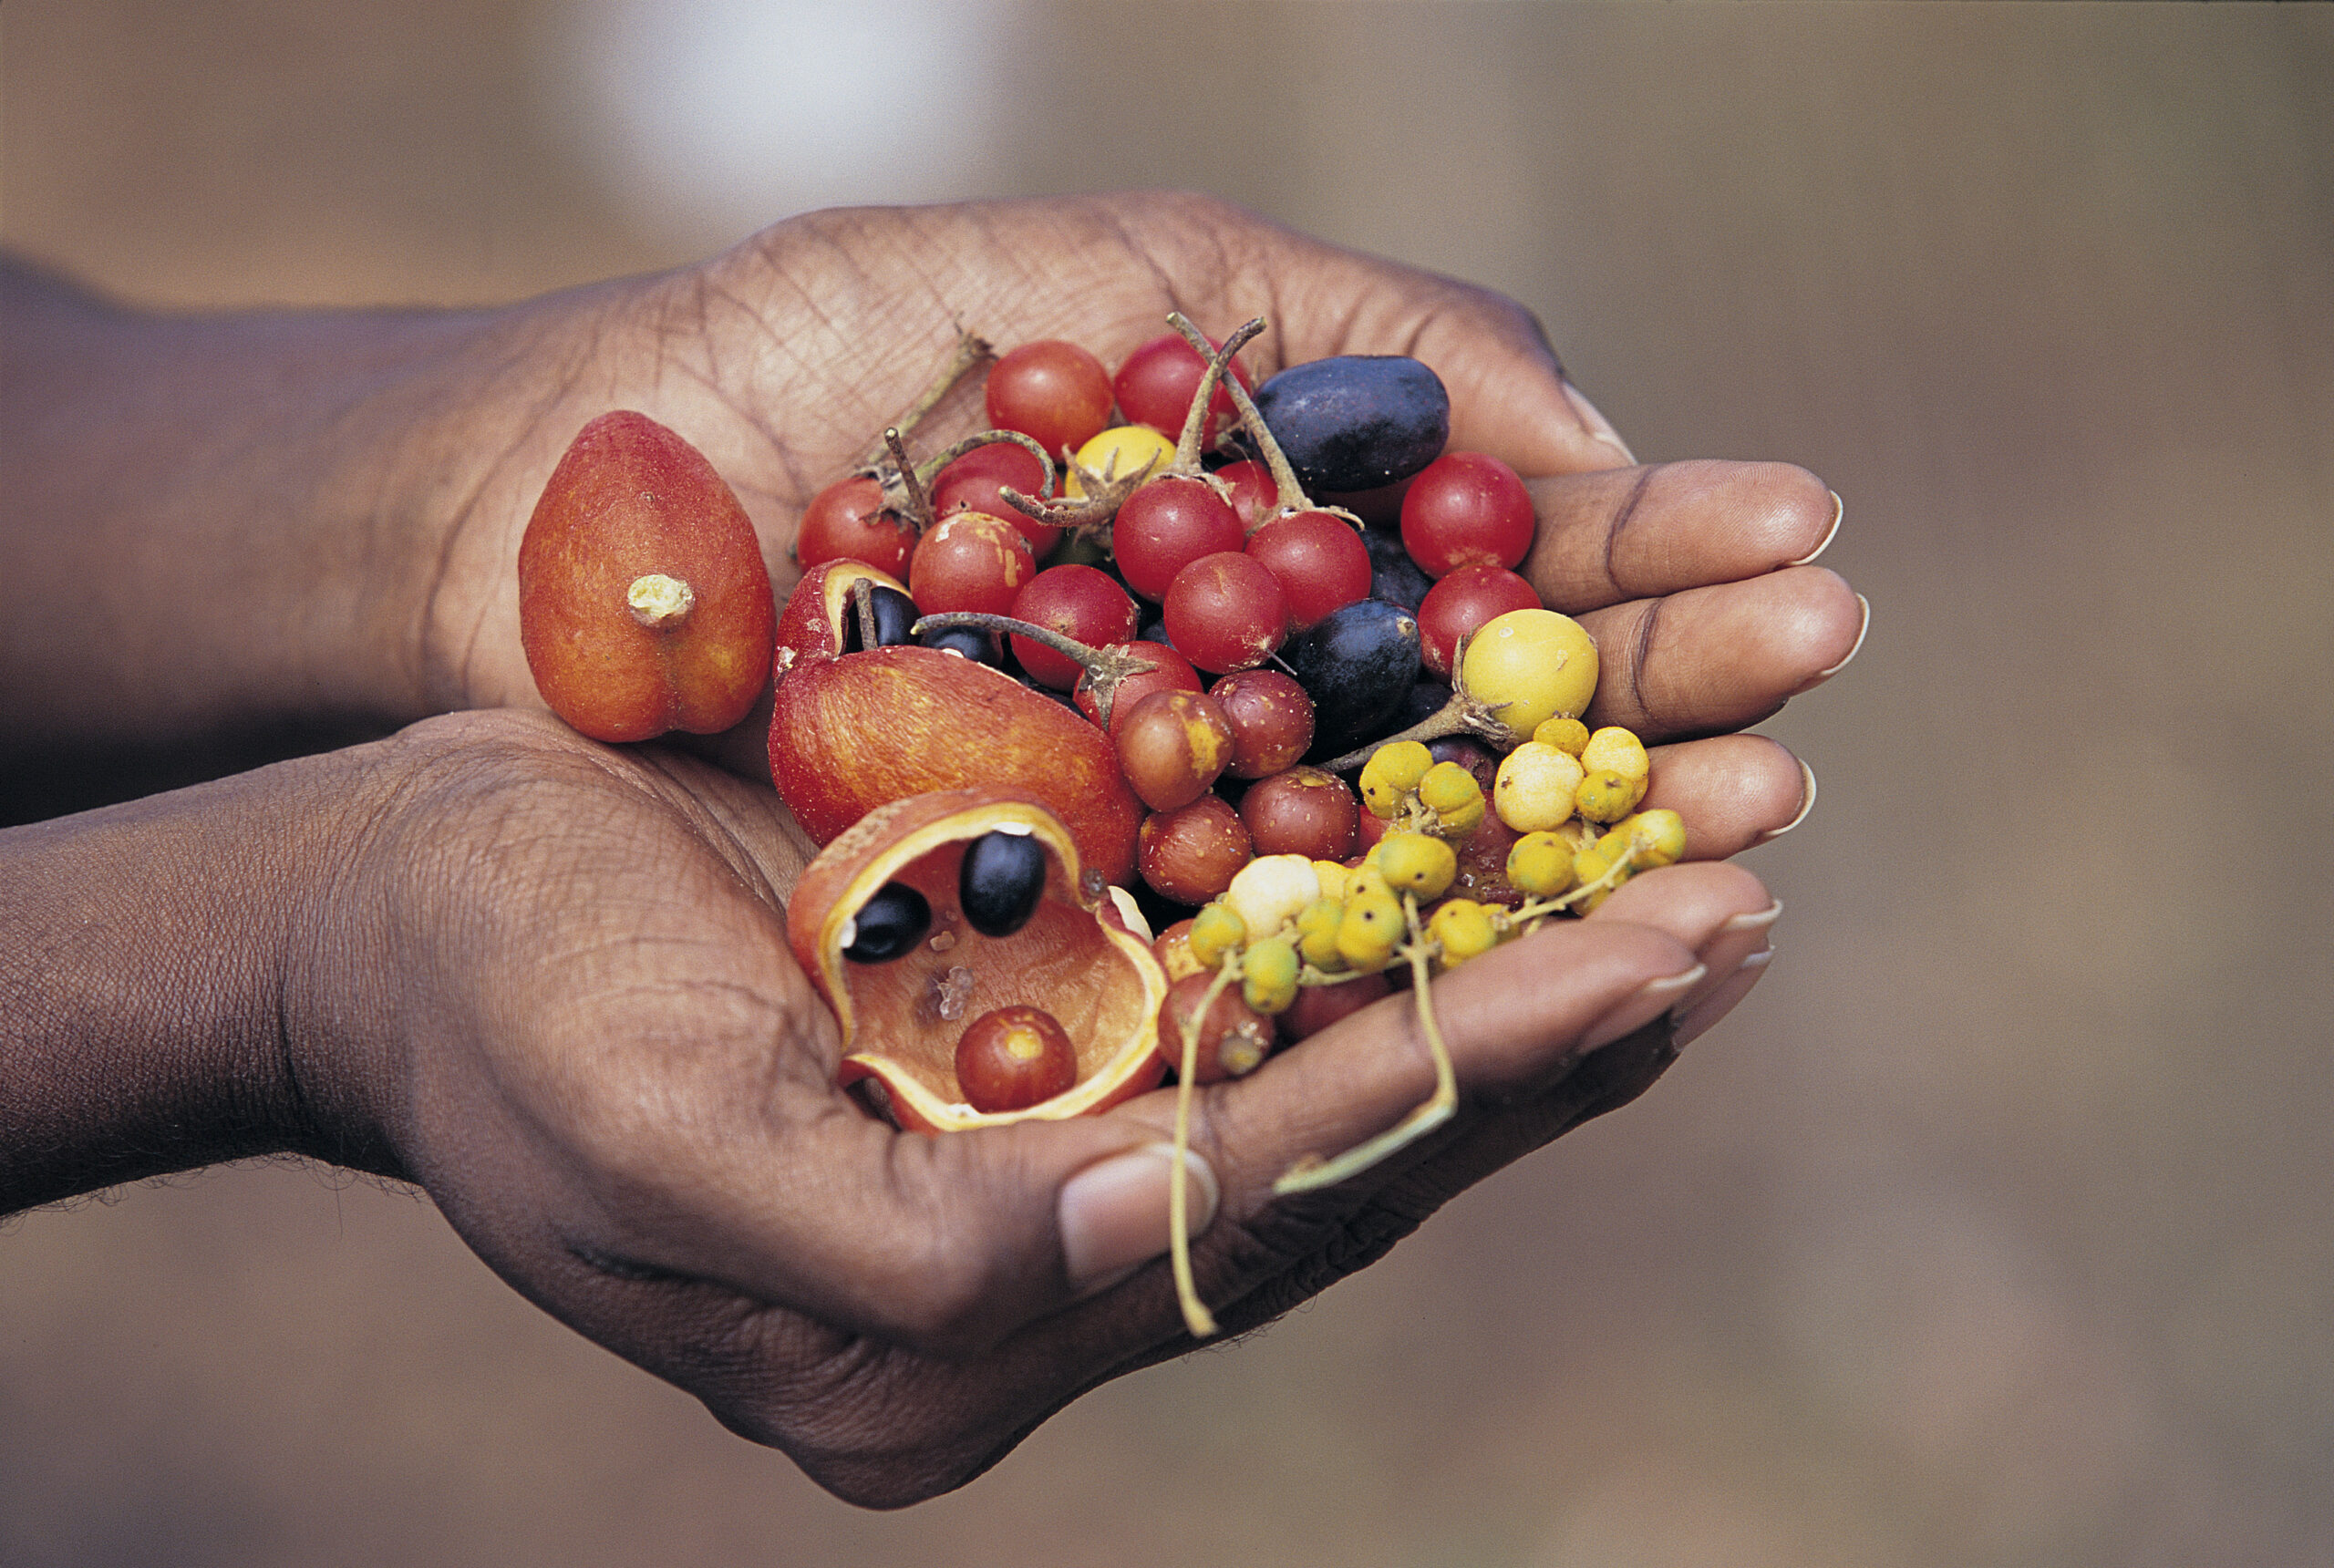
x: 644, y: 604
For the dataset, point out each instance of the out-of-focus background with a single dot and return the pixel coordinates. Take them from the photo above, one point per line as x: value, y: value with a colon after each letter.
x: 1997, y: 1228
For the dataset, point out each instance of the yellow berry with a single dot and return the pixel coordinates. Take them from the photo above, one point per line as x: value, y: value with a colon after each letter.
x: 1463, y: 928
x: 1216, y: 931
x: 1540, y: 864
x: 1332, y: 876
x: 1366, y: 878
x: 1417, y: 863
x: 1118, y: 451
x: 1651, y: 838
x: 1268, y: 974
x: 1392, y: 772
x: 1606, y: 796
x: 1447, y: 787
x: 1568, y: 735
x: 1317, y: 933
x: 1367, y: 936
x: 1615, y: 750
x: 1592, y: 866
x: 1536, y: 786
x: 1458, y: 824
x: 1267, y: 892
x: 1532, y: 665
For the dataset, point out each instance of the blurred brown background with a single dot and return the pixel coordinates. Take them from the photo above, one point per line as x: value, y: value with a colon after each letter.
x: 1997, y: 1228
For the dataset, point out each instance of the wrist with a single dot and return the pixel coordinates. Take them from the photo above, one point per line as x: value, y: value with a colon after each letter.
x: 149, y: 1021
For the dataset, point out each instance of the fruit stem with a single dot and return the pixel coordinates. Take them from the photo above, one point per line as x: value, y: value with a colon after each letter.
x: 1196, y: 1317
x: 969, y: 351
x: 1105, y: 493
x: 1291, y: 497
x: 1219, y: 362
x: 1438, y: 1108
x: 919, y: 504
x: 1464, y: 714
x: 863, y: 600
x: 929, y: 469
x: 1104, y: 669
x: 659, y: 603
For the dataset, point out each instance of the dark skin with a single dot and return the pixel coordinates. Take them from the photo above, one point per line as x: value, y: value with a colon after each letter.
x: 547, y: 979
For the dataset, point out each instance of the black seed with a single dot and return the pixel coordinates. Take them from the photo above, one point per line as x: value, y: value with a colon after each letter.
x: 888, y: 924
x: 1000, y: 882
x: 894, y: 614
x: 1357, y: 421
x: 977, y: 643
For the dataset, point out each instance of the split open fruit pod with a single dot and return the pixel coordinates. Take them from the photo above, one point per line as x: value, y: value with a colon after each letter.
x: 903, y: 1014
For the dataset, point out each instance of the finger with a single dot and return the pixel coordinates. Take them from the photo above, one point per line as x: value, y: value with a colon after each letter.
x: 1508, y: 393
x: 1722, y: 909
x: 1711, y: 659
x: 1733, y: 790
x: 1635, y: 533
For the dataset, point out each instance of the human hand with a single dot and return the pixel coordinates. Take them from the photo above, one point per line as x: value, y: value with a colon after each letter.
x: 554, y: 988
x: 782, y: 357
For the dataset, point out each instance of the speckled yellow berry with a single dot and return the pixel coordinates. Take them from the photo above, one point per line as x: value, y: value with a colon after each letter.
x: 1317, y: 933
x: 1332, y: 878
x: 1541, y: 865
x: 1608, y: 797
x: 1592, y: 866
x: 1367, y: 936
x: 1390, y: 774
x: 1216, y: 931
x: 1447, y: 787
x: 1568, y: 735
x: 1268, y: 974
x: 1416, y: 863
x: 1463, y: 928
x: 1615, y: 750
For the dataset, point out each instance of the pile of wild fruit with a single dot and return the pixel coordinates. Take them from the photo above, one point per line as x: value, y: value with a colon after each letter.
x: 1034, y: 710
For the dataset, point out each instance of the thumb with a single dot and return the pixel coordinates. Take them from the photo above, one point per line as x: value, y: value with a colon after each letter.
x: 945, y: 1244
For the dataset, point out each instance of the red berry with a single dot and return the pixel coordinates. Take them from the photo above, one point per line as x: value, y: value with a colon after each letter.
x: 1225, y: 611
x: 1171, y: 746
x: 1167, y: 524
x: 975, y: 483
x: 1174, y: 671
x: 970, y: 561
x: 1466, y: 507
x: 1320, y: 559
x: 1461, y: 603
x: 1054, y: 393
x: 1014, y: 1057
x: 1271, y: 719
x: 1253, y: 494
x: 1079, y: 602
x: 1157, y: 383
x: 848, y: 521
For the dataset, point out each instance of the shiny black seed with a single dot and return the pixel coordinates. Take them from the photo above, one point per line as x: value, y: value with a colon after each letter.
x: 894, y: 613
x: 888, y: 924
x: 977, y: 643
x: 1357, y: 421
x: 1000, y: 882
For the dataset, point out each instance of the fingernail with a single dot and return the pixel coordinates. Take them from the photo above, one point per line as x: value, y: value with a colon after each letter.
x: 1648, y: 1002
x: 1113, y: 1213
x: 1698, y: 1018
x: 1862, y: 627
x: 1806, y: 804
x: 1757, y: 920
x: 1839, y: 509
x: 1597, y: 425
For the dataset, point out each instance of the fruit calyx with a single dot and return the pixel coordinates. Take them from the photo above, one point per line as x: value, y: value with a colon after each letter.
x: 1290, y: 497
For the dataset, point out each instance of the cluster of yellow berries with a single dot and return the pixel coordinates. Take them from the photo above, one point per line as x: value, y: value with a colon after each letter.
x: 1287, y: 921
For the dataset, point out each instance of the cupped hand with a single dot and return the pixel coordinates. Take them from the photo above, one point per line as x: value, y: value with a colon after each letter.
x: 553, y: 981
x: 783, y: 357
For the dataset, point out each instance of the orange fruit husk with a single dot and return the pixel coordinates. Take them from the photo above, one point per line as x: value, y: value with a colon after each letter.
x: 901, y: 1020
